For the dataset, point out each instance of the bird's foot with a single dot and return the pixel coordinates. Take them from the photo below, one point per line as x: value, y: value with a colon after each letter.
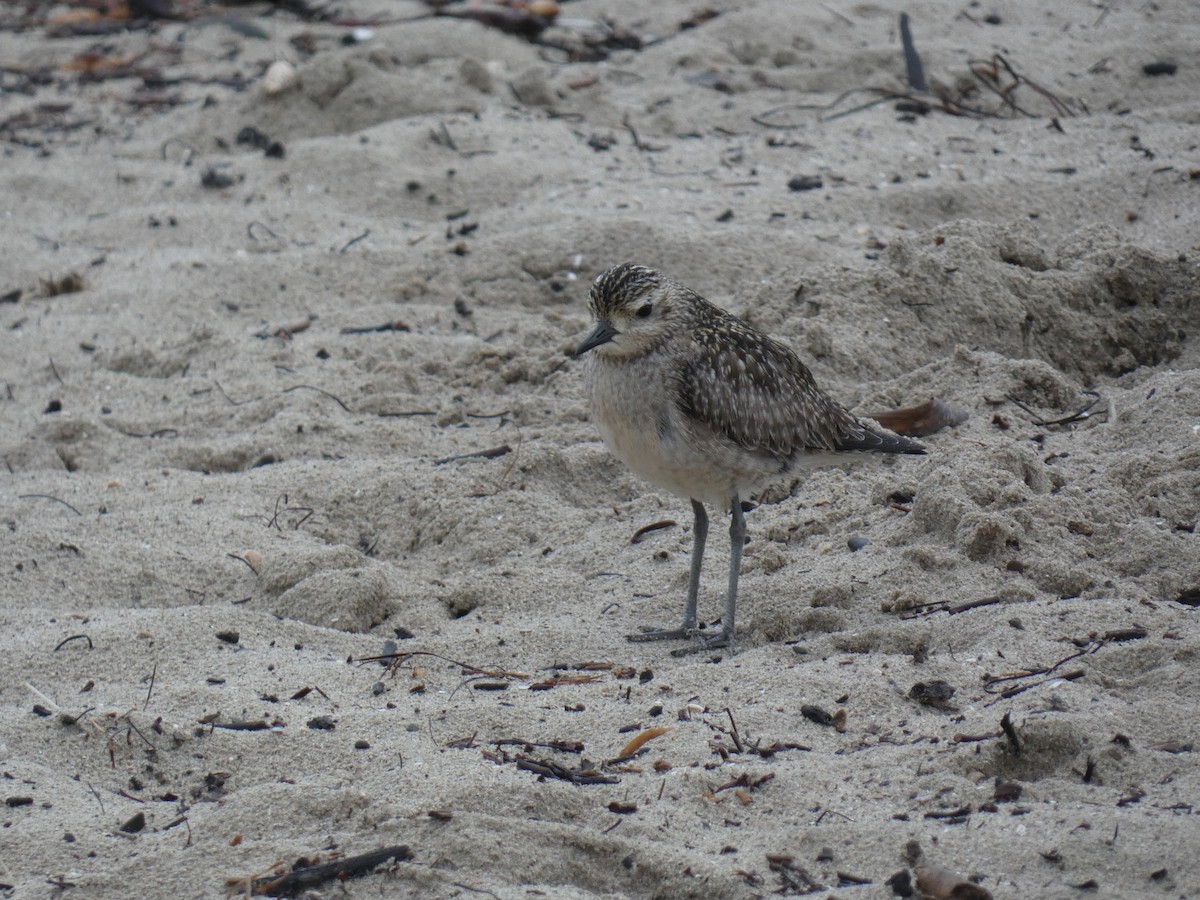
x: 662, y: 634
x: 722, y: 640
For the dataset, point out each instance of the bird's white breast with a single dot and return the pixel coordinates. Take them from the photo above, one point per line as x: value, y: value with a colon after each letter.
x: 638, y: 420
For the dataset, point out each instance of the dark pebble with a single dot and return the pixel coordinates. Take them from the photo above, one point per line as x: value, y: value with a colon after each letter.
x: 322, y: 723
x: 216, y: 180
x: 857, y: 542
x: 1188, y: 597
x: 816, y: 714
x: 901, y: 884
x: 229, y: 637
x: 360, y: 744
x: 135, y: 824
x: 931, y: 693
x: 1160, y: 68
x: 1007, y: 792
x: 805, y: 183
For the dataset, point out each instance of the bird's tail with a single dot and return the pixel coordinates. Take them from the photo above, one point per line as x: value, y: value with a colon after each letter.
x: 878, y: 441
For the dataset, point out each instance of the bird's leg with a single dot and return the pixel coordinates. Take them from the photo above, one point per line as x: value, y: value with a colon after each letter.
x: 699, y: 541
x: 737, y: 539
x: 688, y: 628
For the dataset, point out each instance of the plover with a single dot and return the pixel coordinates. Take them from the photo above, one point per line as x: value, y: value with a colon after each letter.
x: 700, y: 403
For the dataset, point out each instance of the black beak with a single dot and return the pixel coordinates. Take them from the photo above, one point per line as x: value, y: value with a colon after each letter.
x: 601, y: 334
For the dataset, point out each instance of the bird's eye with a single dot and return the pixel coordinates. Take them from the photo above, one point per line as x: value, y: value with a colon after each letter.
x: 644, y: 311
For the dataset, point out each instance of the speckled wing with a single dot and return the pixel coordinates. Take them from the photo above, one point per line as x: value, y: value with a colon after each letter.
x: 757, y: 392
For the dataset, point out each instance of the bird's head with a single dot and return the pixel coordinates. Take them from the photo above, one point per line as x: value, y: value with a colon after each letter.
x: 633, y: 312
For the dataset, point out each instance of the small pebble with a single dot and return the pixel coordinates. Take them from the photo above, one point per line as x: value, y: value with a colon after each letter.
x: 816, y: 714
x: 280, y: 76
x: 805, y: 183
x: 1160, y: 68
x: 931, y: 693
x: 857, y: 542
x: 360, y: 744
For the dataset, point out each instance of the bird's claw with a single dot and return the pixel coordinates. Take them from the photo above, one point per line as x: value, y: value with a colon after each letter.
x: 662, y: 634
x: 702, y: 644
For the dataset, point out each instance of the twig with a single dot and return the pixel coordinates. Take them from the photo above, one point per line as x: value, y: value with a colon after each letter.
x: 230, y: 399
x: 50, y: 497
x: 310, y: 387
x: 443, y: 137
x: 150, y: 689
x: 354, y: 241
x: 998, y: 679
x: 286, y: 331
x: 395, y: 660
x: 493, y: 453
x: 647, y: 529
x: 1010, y: 731
x: 372, y: 329
x: 833, y: 12
x: 733, y: 732
x: 928, y: 609
x: 988, y: 74
x: 340, y: 869
x: 637, y: 141
x: 274, y: 521
x: 551, y: 769
x: 74, y: 637
x: 97, y: 796
x: 242, y: 725
x: 912, y: 61
x: 475, y: 890
x: 243, y: 559
x: 1065, y: 420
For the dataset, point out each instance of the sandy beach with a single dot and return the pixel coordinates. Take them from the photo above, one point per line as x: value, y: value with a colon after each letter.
x: 309, y: 548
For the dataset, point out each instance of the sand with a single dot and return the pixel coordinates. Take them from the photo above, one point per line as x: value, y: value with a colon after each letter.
x: 222, y: 494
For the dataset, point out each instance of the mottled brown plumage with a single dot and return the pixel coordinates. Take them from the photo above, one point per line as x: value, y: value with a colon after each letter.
x: 699, y: 402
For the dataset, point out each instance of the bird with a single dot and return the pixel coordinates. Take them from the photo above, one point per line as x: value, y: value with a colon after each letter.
x: 702, y: 404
